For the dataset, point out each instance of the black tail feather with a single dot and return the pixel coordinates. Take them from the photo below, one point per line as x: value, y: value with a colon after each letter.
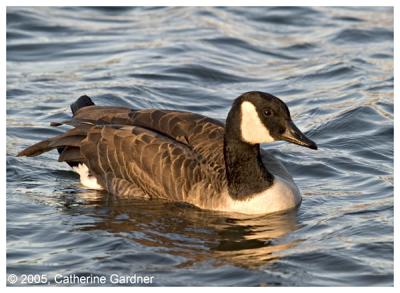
x: 82, y: 102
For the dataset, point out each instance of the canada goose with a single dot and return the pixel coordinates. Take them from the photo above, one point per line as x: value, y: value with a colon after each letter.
x: 183, y: 156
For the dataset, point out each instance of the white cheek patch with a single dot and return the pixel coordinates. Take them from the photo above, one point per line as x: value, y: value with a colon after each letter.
x: 252, y: 129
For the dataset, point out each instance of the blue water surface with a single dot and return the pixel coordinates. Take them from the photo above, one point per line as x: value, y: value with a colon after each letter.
x: 332, y: 66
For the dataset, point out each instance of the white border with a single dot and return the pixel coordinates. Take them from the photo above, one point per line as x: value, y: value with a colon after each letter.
x: 396, y: 65
x: 200, y: 3
x: 6, y: 3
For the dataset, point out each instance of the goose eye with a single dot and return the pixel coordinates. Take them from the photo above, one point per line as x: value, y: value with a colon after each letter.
x: 267, y: 113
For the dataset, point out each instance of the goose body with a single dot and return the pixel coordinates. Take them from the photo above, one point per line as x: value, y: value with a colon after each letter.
x: 183, y: 156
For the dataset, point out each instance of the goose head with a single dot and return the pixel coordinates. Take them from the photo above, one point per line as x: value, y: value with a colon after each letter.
x: 258, y: 117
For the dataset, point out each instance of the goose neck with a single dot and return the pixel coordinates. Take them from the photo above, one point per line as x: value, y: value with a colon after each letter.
x: 245, y: 171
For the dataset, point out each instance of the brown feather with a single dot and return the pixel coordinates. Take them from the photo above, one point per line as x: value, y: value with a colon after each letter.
x: 165, y: 154
x: 70, y: 154
x: 36, y: 149
x: 147, y: 160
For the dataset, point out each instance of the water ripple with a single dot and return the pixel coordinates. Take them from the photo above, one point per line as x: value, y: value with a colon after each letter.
x: 332, y: 65
x: 362, y: 35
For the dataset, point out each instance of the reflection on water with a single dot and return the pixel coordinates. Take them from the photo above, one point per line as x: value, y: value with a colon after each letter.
x: 192, y: 233
x: 333, y: 66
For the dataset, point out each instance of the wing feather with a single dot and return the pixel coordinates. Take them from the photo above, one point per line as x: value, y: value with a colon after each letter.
x: 146, y: 160
x: 162, y: 153
x: 71, y: 138
x: 70, y: 154
x: 204, y: 135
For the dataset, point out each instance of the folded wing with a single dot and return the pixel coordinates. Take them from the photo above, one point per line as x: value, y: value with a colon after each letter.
x: 160, y: 153
x: 125, y: 158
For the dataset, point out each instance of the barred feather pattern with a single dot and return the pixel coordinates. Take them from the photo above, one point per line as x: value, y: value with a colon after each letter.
x: 153, y: 153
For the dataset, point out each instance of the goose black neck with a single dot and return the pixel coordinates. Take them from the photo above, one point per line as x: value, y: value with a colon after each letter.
x: 245, y: 171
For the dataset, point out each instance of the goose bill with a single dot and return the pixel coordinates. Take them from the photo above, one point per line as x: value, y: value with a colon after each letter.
x: 294, y: 135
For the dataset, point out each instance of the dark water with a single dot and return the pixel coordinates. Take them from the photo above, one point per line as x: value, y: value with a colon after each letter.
x: 334, y: 68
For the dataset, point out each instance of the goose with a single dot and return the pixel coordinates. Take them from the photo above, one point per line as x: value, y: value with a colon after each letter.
x: 182, y: 156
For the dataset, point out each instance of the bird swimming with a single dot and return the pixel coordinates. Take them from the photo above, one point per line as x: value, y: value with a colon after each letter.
x: 183, y: 156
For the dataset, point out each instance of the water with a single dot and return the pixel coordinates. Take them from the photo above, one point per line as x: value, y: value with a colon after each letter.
x: 333, y: 67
